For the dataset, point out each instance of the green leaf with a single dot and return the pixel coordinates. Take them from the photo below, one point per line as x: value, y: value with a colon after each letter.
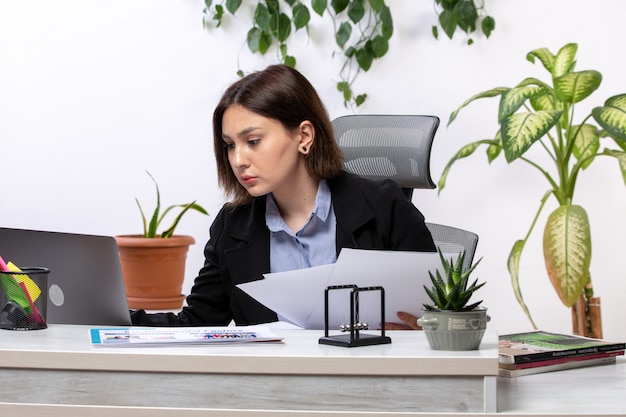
x: 534, y: 81
x: 466, y: 15
x: 386, y: 23
x: 319, y: 6
x: 513, y: 266
x: 154, y: 220
x: 447, y: 4
x: 586, y: 143
x: 343, y: 33
x: 464, y: 152
x: 612, y: 117
x: 254, y: 39
x: 262, y: 18
x: 521, y: 130
x: 567, y: 251
x: 347, y: 94
x: 546, y: 101
x: 542, y: 99
x: 377, y: 5
x: 273, y: 6
x: 514, y: 98
x: 289, y: 61
x: 185, y: 207
x: 493, y: 151
x: 488, y: 25
x: 339, y: 5
x: 621, y: 159
x: 282, y: 30
x: 544, y: 55
x: 576, y: 86
x: 264, y: 43
x: 301, y: 16
x: 360, y: 99
x: 565, y: 60
x: 364, y: 58
x: 170, y: 231
x: 380, y: 46
x: 356, y: 11
x: 485, y: 94
x: 448, y: 23
x: 435, y: 31
x: 143, y: 219
x: 233, y: 5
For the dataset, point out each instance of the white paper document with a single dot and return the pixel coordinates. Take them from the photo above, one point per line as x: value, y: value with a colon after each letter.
x: 179, y: 336
x: 298, y: 295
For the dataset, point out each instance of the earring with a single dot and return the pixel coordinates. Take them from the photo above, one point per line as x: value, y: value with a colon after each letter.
x: 305, y: 149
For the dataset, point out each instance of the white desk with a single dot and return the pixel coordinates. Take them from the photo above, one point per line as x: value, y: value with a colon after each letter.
x: 56, y: 373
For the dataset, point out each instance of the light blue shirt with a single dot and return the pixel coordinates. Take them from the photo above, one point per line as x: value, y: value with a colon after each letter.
x: 313, y: 245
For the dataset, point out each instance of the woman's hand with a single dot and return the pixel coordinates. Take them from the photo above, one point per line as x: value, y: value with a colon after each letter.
x: 409, y: 322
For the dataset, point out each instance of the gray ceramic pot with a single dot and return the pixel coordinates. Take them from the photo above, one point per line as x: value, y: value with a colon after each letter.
x: 454, y: 330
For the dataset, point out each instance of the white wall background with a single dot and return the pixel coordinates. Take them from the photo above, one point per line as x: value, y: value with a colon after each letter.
x: 94, y: 92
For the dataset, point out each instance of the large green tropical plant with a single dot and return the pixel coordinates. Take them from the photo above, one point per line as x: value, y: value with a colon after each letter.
x: 542, y: 114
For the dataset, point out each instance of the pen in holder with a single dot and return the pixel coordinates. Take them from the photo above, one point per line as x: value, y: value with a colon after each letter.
x: 355, y: 338
x: 23, y: 298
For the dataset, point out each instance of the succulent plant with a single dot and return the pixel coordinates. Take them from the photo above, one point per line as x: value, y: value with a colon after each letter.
x: 453, y: 292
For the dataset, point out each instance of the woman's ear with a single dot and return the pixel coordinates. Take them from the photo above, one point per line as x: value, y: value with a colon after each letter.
x: 306, y: 133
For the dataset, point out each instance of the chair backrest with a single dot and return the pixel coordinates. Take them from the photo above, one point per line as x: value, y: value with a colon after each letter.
x: 388, y: 146
x: 398, y: 147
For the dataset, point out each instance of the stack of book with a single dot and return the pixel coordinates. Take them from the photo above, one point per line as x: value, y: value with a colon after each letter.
x: 540, y: 351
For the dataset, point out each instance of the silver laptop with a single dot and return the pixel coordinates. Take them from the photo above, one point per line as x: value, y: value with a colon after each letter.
x: 85, y: 284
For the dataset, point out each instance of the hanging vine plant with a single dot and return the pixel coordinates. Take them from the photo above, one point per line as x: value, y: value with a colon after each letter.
x: 362, y: 29
x: 464, y: 15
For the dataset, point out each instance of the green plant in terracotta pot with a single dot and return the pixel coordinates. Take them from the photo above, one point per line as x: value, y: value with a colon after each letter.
x: 539, y: 116
x: 451, y: 322
x: 150, y: 229
x: 153, y: 264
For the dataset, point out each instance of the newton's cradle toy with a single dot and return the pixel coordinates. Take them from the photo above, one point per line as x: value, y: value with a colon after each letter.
x: 355, y: 338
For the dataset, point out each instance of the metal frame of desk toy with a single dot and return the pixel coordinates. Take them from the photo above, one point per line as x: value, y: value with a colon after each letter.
x: 355, y: 338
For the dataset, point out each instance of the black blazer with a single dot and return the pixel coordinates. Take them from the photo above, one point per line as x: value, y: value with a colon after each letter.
x: 370, y: 215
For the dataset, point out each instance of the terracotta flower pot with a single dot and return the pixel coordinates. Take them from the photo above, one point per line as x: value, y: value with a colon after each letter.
x: 154, y: 270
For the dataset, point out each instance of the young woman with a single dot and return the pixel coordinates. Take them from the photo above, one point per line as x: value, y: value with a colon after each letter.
x: 292, y: 204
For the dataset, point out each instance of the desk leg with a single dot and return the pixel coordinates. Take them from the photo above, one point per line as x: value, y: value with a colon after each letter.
x: 491, y: 394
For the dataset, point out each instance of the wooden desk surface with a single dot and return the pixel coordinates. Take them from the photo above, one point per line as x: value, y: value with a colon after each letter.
x: 56, y: 373
x: 68, y: 347
x: 299, y: 377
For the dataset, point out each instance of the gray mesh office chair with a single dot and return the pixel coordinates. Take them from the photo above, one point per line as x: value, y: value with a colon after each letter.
x: 398, y: 147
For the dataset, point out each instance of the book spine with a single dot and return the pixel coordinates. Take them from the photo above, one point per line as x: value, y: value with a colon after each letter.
x: 548, y: 362
x: 511, y: 373
x: 541, y: 356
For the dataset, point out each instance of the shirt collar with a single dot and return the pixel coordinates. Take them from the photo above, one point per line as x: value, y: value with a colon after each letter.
x: 321, y: 209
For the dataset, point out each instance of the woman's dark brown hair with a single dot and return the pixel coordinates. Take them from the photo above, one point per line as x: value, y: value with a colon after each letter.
x: 278, y: 92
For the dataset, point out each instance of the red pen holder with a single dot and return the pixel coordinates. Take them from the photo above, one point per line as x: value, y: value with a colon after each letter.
x: 23, y: 299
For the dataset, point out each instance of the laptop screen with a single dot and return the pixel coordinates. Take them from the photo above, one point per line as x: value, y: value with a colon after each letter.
x: 85, y: 284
